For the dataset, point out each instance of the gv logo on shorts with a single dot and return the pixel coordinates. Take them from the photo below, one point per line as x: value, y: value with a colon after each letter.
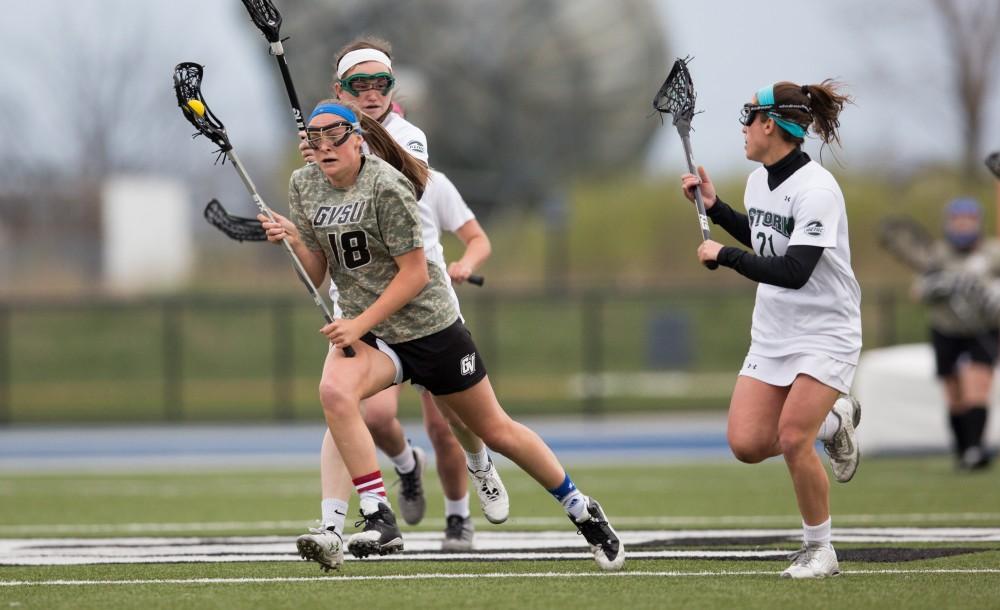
x: 468, y: 364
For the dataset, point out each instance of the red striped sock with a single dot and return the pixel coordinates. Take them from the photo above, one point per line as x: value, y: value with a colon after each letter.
x: 371, y: 489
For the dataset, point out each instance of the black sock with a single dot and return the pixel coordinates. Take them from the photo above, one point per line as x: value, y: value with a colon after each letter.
x: 958, y: 432
x: 974, y: 424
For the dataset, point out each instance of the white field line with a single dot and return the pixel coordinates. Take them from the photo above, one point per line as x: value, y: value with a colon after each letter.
x: 679, y: 521
x: 494, y: 575
x: 497, y: 545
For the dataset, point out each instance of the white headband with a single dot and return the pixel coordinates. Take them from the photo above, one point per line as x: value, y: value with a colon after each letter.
x: 360, y: 56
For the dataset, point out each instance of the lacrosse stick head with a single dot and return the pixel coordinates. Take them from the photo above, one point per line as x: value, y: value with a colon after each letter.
x: 187, y: 86
x: 676, y: 96
x: 239, y: 228
x: 265, y: 17
x: 993, y: 163
x: 908, y: 241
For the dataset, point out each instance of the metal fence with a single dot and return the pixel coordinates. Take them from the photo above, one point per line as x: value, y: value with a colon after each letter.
x: 252, y: 358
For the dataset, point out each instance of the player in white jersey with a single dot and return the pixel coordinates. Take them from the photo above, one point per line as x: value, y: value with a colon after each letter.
x: 364, y: 77
x: 806, y: 331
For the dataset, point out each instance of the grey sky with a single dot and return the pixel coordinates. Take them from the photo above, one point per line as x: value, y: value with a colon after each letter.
x: 888, y: 51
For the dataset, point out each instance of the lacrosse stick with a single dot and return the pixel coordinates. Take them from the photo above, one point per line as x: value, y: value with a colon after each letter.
x: 268, y: 20
x: 676, y: 97
x: 993, y: 162
x: 908, y: 241
x: 235, y: 227
x: 187, y: 86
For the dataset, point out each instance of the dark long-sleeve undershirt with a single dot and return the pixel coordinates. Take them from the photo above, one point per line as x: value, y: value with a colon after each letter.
x: 791, y: 270
x: 735, y: 223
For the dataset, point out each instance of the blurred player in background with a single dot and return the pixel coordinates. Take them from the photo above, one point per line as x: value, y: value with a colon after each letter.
x: 964, y: 333
x: 806, y: 332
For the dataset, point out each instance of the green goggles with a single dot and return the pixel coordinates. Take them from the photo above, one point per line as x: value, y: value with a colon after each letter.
x: 383, y: 82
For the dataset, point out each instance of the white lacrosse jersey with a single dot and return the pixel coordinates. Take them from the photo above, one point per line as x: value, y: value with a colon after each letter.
x: 824, y: 316
x: 407, y: 135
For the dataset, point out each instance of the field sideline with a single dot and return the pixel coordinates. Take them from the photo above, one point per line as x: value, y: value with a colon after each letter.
x: 910, y: 532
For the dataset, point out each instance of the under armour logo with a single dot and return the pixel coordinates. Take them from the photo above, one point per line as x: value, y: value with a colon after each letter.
x: 468, y: 364
x: 788, y: 198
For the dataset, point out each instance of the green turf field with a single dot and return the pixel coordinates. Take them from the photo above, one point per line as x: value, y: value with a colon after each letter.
x: 912, y: 493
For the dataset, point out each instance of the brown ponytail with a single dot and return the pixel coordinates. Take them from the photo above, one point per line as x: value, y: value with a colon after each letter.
x: 382, y: 145
x: 825, y: 102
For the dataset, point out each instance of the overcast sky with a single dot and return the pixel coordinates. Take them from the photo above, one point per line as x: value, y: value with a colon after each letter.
x: 888, y: 51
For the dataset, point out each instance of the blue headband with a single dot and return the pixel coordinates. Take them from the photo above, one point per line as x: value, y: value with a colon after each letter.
x: 336, y: 109
x: 765, y: 97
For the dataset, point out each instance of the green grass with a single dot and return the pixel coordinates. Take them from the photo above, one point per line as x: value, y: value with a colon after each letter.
x: 883, y: 487
x: 886, y: 492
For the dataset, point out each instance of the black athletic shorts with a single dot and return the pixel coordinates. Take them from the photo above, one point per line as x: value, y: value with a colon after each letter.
x: 948, y: 349
x: 444, y: 362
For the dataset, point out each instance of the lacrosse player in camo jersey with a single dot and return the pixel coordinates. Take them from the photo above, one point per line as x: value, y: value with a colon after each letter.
x: 965, y: 336
x: 806, y: 330
x: 364, y: 77
x: 353, y: 215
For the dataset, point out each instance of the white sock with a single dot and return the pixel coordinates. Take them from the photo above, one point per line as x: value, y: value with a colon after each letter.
x: 457, y: 507
x: 831, y: 426
x: 817, y: 534
x: 575, y: 504
x: 478, y: 461
x: 370, y: 501
x: 334, y: 514
x: 404, y: 462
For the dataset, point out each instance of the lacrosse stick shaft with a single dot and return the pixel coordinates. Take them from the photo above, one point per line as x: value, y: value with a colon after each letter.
x: 300, y: 270
x: 699, y: 204
x: 279, y: 55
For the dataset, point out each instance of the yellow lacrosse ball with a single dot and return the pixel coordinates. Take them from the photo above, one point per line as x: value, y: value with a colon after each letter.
x: 197, y: 107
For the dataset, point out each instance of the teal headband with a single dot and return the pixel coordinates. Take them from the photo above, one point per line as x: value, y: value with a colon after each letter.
x: 765, y: 97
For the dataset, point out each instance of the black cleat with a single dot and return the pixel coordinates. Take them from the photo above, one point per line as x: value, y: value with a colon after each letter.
x: 609, y: 553
x: 381, y: 535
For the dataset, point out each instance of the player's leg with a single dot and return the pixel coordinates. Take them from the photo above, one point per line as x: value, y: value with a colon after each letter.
x: 754, y: 411
x: 478, y: 408
x: 324, y: 544
x: 807, y: 404
x: 947, y: 350
x: 450, y: 459
x: 380, y: 413
x: 975, y: 381
x: 345, y: 382
x: 490, y: 490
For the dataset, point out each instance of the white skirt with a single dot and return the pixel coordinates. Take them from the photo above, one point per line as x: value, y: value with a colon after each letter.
x: 781, y: 371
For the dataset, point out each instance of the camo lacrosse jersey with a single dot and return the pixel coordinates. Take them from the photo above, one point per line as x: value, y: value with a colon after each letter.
x: 360, y: 229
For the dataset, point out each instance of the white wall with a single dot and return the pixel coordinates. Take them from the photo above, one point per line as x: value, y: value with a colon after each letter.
x: 903, y: 406
x: 147, y: 243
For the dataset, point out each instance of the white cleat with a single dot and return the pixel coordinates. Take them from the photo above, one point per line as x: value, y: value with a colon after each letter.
x: 813, y: 561
x: 843, y: 448
x: 492, y: 494
x: 323, y: 546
